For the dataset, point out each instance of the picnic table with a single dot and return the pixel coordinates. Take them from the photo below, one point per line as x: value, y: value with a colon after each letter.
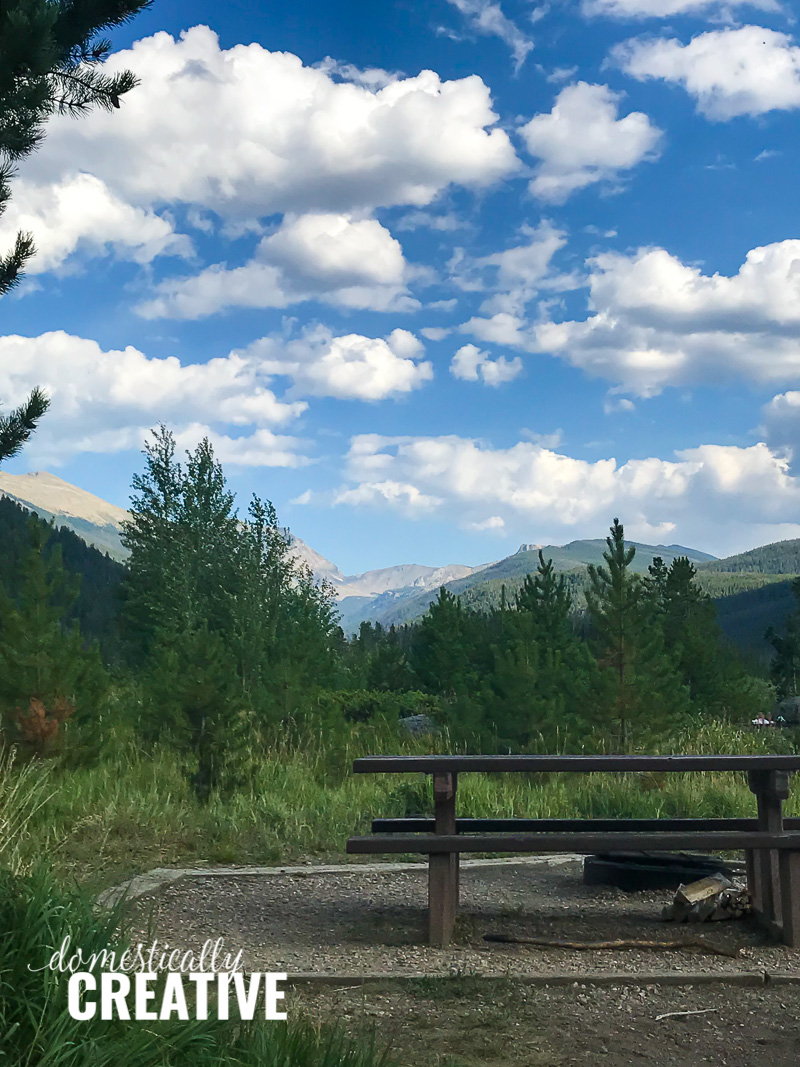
x: 771, y: 843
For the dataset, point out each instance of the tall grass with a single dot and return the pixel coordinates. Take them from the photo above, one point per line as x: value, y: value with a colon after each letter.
x: 36, y: 1029
x: 135, y: 809
x: 22, y: 793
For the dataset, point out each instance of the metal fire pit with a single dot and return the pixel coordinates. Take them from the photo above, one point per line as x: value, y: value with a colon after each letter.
x: 633, y: 871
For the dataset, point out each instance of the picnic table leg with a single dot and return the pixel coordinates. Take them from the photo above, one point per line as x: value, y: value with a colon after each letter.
x: 789, y: 862
x: 443, y: 866
x: 771, y: 789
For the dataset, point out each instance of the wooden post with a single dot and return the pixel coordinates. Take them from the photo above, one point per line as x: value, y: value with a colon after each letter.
x: 443, y: 866
x: 789, y: 866
x: 771, y: 789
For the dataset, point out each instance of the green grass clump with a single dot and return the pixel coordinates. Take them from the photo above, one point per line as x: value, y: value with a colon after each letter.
x: 36, y: 1030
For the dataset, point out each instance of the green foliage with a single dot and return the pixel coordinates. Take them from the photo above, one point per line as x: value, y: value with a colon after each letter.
x: 642, y: 690
x: 96, y: 608
x: 785, y: 667
x: 41, y: 658
x: 50, y: 58
x: 36, y: 914
x: 232, y: 634
x: 544, y: 679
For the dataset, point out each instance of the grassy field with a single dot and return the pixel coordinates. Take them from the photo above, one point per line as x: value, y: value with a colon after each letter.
x: 135, y: 810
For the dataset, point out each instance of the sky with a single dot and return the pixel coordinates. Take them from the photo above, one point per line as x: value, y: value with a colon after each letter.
x: 436, y: 278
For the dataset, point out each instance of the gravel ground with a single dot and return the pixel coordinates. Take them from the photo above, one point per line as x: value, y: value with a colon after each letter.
x: 366, y: 922
x: 506, y: 1024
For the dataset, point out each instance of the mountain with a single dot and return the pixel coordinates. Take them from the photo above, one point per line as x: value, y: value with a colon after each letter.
x: 98, y: 523
x: 781, y: 557
x: 92, y: 519
x: 482, y: 588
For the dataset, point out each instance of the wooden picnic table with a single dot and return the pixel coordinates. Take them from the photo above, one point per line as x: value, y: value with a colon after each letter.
x: 772, y: 847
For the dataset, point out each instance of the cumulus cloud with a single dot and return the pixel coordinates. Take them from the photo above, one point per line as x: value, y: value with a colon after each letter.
x: 639, y: 9
x: 348, y: 262
x: 730, y: 72
x: 529, y: 485
x: 246, y: 132
x: 81, y: 212
x: 105, y: 401
x: 658, y: 322
x: 472, y: 365
x: 348, y: 367
x: 583, y: 140
x: 487, y: 18
x: 781, y: 423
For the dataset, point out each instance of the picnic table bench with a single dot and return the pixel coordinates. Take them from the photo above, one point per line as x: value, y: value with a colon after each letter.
x: 771, y: 843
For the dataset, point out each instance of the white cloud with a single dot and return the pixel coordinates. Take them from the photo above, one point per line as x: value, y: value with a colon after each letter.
x: 730, y: 72
x: 781, y: 424
x: 261, y: 448
x: 487, y: 18
x: 81, y: 212
x: 583, y: 140
x: 472, y: 365
x: 658, y: 322
x: 246, y: 132
x: 527, y: 485
x: 405, y: 498
x: 348, y: 367
x: 494, y: 522
x: 512, y: 278
x: 105, y: 401
x: 665, y: 8
x: 616, y: 405
x: 343, y: 261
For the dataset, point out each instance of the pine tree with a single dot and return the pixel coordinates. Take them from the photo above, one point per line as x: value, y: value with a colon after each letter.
x: 51, y: 54
x: 543, y: 677
x: 691, y: 634
x: 42, y: 659
x: 785, y: 666
x: 644, y: 694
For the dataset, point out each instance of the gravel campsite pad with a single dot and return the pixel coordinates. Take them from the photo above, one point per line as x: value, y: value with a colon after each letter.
x: 480, y: 1023
x: 367, y: 922
x: 470, y: 1005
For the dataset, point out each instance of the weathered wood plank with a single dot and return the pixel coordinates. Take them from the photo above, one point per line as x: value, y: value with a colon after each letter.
x: 586, y: 843
x: 532, y: 764
x: 423, y: 824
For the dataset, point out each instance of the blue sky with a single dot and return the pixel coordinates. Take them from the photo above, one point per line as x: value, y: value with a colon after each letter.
x: 435, y: 278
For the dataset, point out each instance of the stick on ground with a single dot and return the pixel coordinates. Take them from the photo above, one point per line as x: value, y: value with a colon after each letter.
x: 689, y: 942
x: 681, y: 1014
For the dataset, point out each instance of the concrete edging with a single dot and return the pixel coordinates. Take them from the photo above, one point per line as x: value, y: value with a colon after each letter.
x: 153, y: 880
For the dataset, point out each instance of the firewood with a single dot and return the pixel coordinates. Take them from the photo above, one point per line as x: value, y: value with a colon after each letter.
x: 697, y: 892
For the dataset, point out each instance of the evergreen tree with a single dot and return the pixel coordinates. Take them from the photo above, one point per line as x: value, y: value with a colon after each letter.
x: 643, y: 693
x: 449, y: 654
x: 543, y: 678
x: 51, y: 54
x: 690, y: 631
x: 205, y: 587
x: 42, y: 659
x: 785, y: 666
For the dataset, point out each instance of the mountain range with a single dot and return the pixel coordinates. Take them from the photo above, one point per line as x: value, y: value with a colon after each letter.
x: 750, y: 582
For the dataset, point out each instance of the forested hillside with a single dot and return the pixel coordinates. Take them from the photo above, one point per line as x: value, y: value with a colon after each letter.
x: 781, y: 557
x: 98, y: 577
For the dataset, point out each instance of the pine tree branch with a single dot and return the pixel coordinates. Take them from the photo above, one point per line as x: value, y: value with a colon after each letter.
x: 17, y: 427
